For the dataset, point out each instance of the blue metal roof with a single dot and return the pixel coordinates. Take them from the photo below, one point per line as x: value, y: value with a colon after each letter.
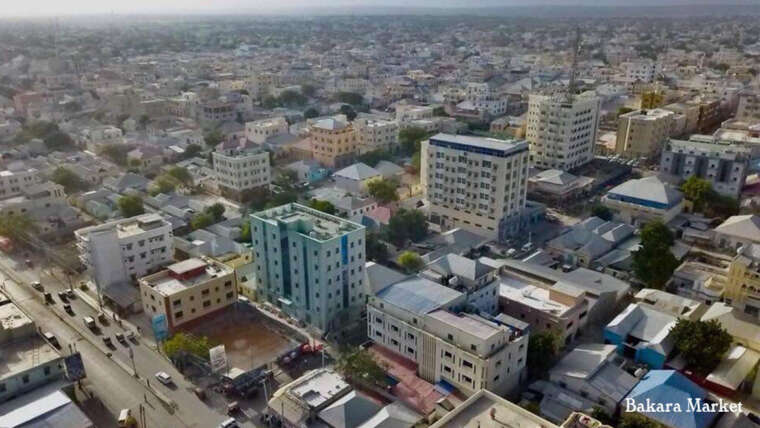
x: 669, y: 386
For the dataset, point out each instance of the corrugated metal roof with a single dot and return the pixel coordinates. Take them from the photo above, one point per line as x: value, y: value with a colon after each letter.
x: 418, y: 295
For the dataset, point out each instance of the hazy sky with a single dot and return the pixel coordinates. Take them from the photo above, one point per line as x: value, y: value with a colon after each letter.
x: 77, y: 7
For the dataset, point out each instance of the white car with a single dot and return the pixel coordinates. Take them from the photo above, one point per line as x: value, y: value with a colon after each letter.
x: 164, y: 378
x: 229, y: 423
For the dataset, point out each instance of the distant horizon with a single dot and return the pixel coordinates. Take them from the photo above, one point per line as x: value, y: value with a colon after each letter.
x: 84, y: 8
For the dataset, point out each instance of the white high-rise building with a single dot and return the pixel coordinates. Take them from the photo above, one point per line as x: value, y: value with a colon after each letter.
x: 121, y: 251
x: 561, y: 130
x: 475, y: 183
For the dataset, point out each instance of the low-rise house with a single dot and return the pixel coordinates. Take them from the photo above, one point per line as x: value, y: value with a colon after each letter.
x: 585, y: 242
x: 588, y: 377
x: 673, y: 304
x: 146, y: 158
x: 642, y: 333
x: 356, y: 178
x: 472, y: 277
x: 642, y: 200
x: 485, y: 409
x: 127, y: 181
x: 558, y: 184
x: 308, y: 170
x: 737, y: 231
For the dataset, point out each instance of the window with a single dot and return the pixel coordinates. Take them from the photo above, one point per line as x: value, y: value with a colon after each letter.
x: 204, y: 292
x: 46, y: 370
x: 25, y: 378
x: 207, y: 303
x: 176, y: 302
x: 450, y: 336
x: 227, y: 284
x: 467, y: 364
x: 178, y: 315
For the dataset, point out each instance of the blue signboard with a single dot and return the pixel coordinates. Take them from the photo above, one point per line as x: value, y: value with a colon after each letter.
x: 74, y: 367
x: 160, y: 327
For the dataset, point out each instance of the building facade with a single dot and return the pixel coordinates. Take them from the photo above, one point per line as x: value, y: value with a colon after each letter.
x: 188, y: 290
x: 309, y: 264
x: 562, y: 131
x: 240, y: 170
x: 479, y: 184
x: 260, y: 130
x: 641, y: 133
x: 333, y: 142
x: 749, y: 106
x: 121, y: 251
x: 417, y: 319
x: 373, y: 135
x: 723, y: 165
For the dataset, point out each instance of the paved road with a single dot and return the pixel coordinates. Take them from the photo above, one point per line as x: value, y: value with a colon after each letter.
x: 111, y: 378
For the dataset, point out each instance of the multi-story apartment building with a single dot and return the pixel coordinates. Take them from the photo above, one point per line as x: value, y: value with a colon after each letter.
x: 408, y: 113
x: 333, y: 142
x: 14, y: 179
x: 188, y: 290
x: 260, y: 130
x: 749, y: 106
x: 477, y: 280
x: 218, y: 111
x: 475, y: 183
x: 372, y: 135
x: 32, y: 198
x: 121, y: 251
x: 562, y: 129
x: 480, y: 97
x: 642, y: 132
x: 240, y: 170
x: 724, y: 165
x: 309, y: 264
x: 641, y: 71
x: 420, y: 320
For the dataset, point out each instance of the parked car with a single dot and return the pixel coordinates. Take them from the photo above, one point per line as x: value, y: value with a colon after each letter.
x: 68, y: 309
x: 70, y: 294
x: 50, y: 337
x: 107, y: 341
x: 103, y: 318
x: 63, y: 297
x: 229, y: 423
x: 28, y: 263
x: 131, y: 335
x: 90, y: 323
x: 120, y: 338
x: 49, y: 299
x: 38, y: 286
x: 164, y: 378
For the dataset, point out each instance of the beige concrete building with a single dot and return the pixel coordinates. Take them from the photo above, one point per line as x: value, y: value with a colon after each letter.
x: 479, y: 184
x: 416, y: 318
x: 188, y: 290
x: 258, y: 131
x: 562, y: 130
x: 333, y: 142
x: 749, y: 106
x: 641, y: 133
x: 372, y: 135
x: 486, y: 409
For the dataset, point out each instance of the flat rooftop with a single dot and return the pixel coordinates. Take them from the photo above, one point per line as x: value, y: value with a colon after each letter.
x: 518, y: 290
x: 308, y: 222
x: 473, y: 325
x: 12, y: 317
x: 486, y: 409
x: 319, y: 387
x: 167, y: 285
x: 23, y: 354
x: 480, y: 142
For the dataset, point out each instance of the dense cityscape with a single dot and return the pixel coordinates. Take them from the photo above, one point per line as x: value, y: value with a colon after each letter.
x: 496, y: 217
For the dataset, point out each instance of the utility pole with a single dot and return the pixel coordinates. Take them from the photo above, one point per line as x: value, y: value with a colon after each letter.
x: 574, y: 66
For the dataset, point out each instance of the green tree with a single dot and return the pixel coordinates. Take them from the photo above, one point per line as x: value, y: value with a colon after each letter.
x: 16, y: 225
x: 602, y: 416
x: 636, y: 420
x: 71, y: 182
x: 163, y: 184
x: 543, y: 348
x: 217, y: 211
x: 245, y: 231
x: 383, y: 190
x: 308, y: 90
x: 410, y: 261
x: 623, y: 110
x: 324, y: 206
x: 201, y: 220
x: 359, y: 365
x: 653, y: 263
x: 349, y: 98
x: 117, y: 153
x: 348, y: 111
x: 377, y: 251
x: 292, y: 99
x: 698, y: 191
x: 192, y: 150
x: 185, y: 342
x: 282, y: 198
x: 130, y: 206
x: 439, y: 111
x: 143, y: 121
x: 416, y: 161
x: 182, y: 175
x: 374, y: 157
x: 702, y: 344
x: 406, y: 225
x: 602, y: 212
x: 212, y: 137
x: 59, y: 141
x: 310, y: 113
x: 410, y: 139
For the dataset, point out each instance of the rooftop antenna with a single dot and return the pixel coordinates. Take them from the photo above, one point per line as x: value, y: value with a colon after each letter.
x: 574, y: 66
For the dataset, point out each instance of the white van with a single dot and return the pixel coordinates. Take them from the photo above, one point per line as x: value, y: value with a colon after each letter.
x: 125, y: 417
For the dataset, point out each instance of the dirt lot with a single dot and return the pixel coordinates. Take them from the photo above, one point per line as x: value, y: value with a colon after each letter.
x: 250, y: 339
